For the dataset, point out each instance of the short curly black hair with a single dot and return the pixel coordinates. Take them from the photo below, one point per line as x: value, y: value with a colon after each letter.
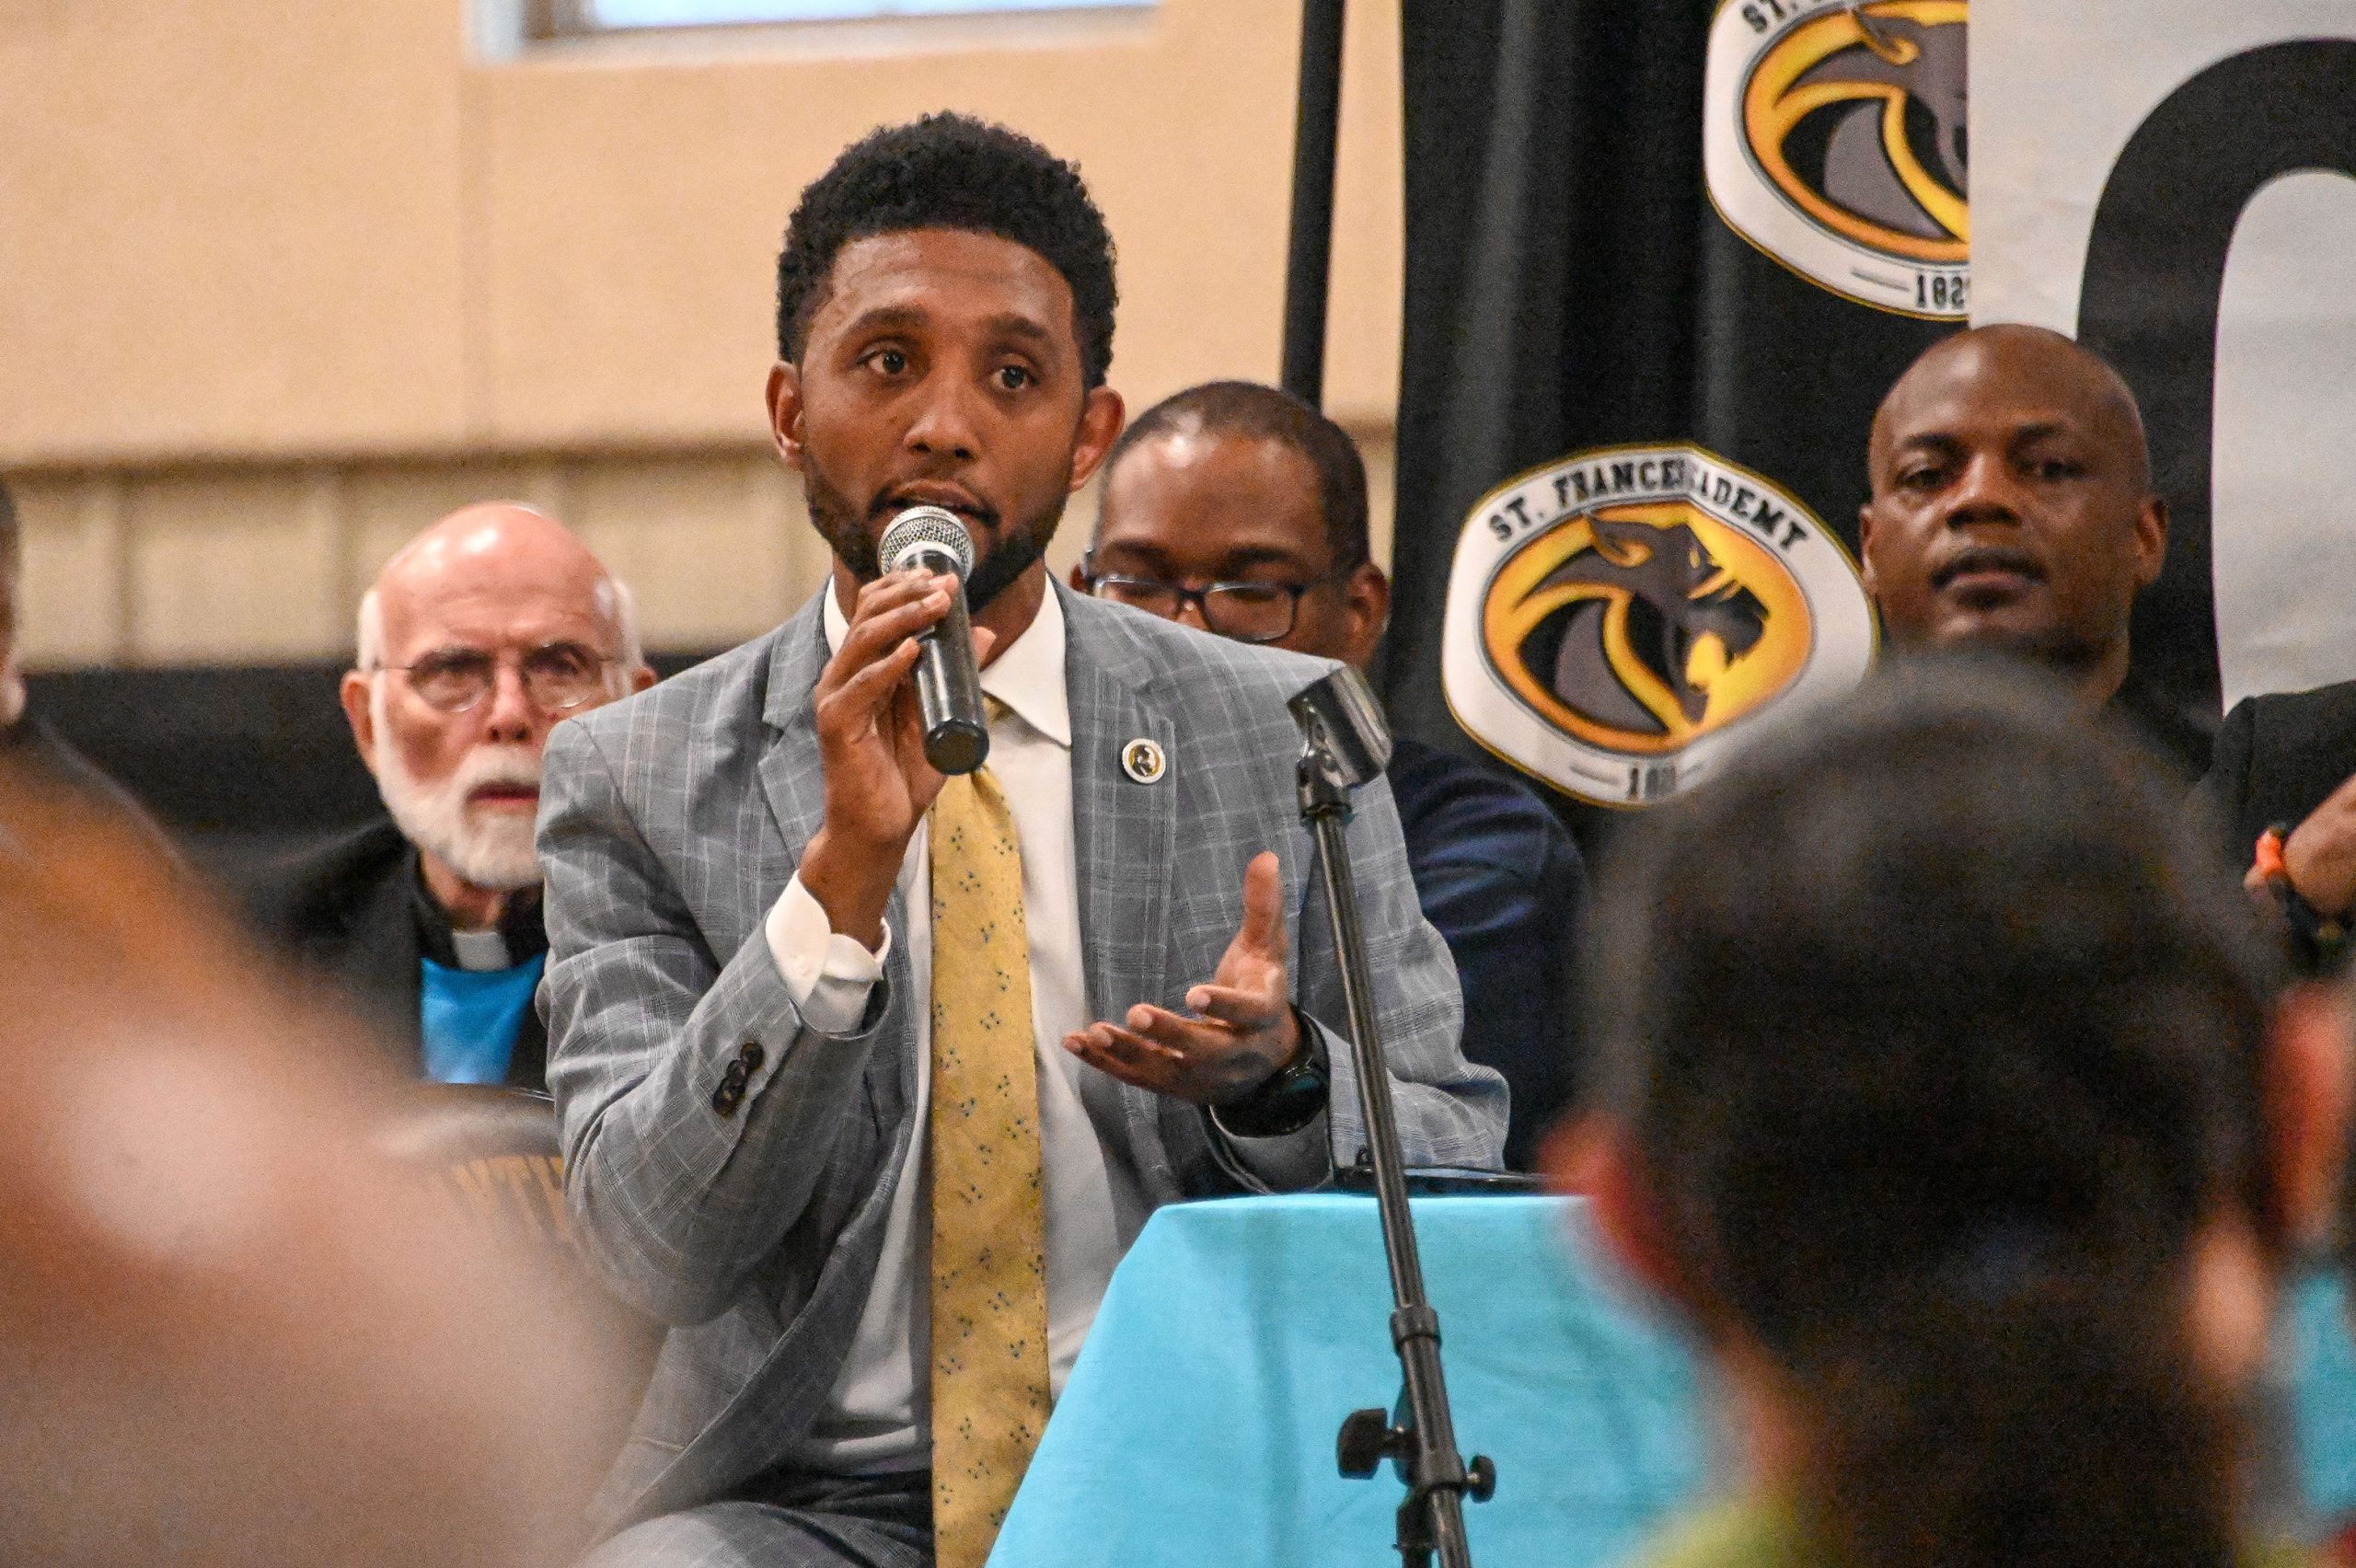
x: 955, y: 172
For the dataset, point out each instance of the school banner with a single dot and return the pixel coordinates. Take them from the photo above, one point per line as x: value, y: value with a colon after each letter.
x: 1663, y: 260
x: 2175, y: 182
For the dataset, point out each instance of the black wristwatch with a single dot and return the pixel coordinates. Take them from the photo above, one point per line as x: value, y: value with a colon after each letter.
x: 1287, y: 1101
x: 2319, y: 941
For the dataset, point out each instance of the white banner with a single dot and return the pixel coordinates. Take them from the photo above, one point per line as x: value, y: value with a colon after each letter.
x: 2171, y: 180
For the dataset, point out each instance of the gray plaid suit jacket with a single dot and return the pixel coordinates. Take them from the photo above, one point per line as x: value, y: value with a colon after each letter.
x: 669, y: 825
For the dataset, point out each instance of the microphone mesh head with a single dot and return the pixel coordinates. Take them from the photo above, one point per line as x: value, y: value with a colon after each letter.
x: 925, y: 529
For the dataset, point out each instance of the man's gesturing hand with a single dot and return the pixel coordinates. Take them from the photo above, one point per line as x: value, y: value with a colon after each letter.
x: 1246, y: 1032
x: 870, y: 743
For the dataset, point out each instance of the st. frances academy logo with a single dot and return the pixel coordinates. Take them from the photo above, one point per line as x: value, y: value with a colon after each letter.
x: 1836, y: 141
x: 1615, y: 619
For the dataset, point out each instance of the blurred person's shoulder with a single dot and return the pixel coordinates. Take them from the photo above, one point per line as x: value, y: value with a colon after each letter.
x: 39, y: 752
x: 2325, y: 711
x: 1744, y: 1534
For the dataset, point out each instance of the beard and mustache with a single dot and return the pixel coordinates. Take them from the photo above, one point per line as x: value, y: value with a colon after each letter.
x: 492, y: 849
x: 853, y: 533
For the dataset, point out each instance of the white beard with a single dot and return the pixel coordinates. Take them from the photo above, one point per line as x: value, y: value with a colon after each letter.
x: 491, y: 849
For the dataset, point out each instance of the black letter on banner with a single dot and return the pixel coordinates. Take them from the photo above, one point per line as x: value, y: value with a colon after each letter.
x: 2155, y: 274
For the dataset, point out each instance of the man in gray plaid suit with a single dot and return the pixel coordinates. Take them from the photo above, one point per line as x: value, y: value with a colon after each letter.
x: 741, y: 909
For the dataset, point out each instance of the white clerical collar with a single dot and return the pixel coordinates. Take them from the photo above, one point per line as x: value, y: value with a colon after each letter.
x: 480, y: 951
x: 1027, y: 675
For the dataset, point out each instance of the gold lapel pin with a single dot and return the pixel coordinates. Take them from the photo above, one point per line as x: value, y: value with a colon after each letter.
x: 1142, y: 760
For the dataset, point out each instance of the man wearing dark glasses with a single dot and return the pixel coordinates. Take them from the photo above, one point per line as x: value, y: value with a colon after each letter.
x: 479, y: 636
x: 1238, y: 510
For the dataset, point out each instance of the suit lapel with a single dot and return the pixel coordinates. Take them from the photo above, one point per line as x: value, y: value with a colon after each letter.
x: 1125, y: 835
x: 790, y: 776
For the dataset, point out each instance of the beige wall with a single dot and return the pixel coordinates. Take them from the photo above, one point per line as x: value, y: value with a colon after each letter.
x: 234, y: 563
x: 302, y: 276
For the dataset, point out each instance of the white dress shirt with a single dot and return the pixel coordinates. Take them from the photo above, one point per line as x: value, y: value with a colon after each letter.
x: 878, y: 1417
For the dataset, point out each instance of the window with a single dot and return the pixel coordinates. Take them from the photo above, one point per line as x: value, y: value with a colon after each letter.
x: 561, y: 16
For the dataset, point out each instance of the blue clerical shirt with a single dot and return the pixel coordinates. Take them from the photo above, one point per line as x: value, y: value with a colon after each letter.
x: 469, y: 1017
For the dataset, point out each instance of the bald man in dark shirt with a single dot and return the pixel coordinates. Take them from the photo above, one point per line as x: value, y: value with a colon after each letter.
x: 2013, y: 511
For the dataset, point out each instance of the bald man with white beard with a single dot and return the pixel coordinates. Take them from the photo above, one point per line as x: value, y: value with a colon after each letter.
x: 479, y: 637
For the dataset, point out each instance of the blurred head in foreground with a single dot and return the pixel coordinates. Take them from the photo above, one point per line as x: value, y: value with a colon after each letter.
x: 1944, y: 1096
x: 231, y: 1331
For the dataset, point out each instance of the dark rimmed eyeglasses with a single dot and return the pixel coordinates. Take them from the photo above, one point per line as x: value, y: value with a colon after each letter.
x: 1245, y: 612
x: 558, y: 677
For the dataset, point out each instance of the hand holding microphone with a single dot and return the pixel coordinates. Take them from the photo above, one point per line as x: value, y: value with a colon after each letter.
x: 948, y: 684
x: 898, y: 706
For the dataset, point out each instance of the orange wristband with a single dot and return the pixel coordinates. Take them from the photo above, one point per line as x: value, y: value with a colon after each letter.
x: 2269, y: 862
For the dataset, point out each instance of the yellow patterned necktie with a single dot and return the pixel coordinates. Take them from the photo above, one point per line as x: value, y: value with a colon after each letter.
x: 990, y: 1392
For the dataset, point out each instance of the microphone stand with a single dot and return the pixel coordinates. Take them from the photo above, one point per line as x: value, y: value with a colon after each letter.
x: 1346, y: 742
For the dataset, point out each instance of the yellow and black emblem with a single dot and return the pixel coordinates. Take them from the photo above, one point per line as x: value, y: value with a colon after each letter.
x: 1642, y: 628
x: 1838, y: 142
x: 1615, y: 619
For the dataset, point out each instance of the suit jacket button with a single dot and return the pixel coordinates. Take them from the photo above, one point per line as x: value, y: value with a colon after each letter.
x: 731, y: 1092
x: 752, y: 1055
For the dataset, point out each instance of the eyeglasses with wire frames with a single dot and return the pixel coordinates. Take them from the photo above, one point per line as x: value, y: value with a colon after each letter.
x: 1242, y: 612
x: 558, y: 677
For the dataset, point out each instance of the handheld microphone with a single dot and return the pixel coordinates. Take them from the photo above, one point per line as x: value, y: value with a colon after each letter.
x: 949, y: 686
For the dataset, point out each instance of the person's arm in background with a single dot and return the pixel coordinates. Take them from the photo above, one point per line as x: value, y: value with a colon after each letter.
x: 2301, y: 874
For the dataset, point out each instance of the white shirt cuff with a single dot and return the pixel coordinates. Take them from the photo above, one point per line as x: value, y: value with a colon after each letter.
x: 827, y: 973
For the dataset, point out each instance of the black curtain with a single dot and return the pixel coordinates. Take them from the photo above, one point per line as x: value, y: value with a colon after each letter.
x: 1569, y: 286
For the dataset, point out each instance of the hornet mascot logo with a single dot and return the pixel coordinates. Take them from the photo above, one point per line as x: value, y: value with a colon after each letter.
x: 1858, y: 116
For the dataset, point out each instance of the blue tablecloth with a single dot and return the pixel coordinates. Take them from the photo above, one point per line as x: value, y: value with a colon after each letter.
x: 2317, y: 1359
x: 1199, y: 1426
